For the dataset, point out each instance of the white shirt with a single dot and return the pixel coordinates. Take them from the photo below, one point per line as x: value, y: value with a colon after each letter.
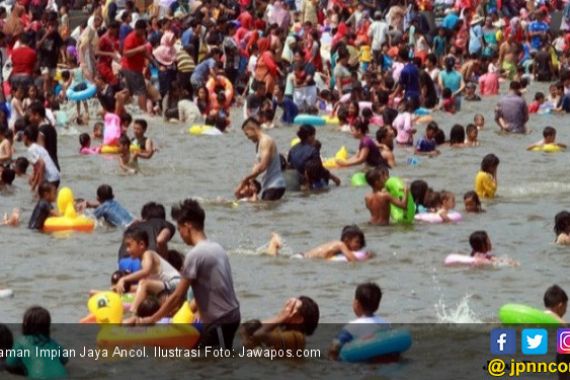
x: 378, y: 32
x: 37, y: 152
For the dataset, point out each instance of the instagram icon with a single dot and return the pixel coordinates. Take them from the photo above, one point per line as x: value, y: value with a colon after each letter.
x: 563, y: 341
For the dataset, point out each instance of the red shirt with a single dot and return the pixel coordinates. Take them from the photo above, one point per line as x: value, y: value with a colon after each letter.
x: 107, y: 44
x: 135, y: 62
x: 23, y: 60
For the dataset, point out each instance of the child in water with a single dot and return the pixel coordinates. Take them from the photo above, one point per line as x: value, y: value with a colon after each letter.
x: 127, y: 161
x: 479, y: 121
x: 85, y: 142
x: 427, y: 146
x: 351, y: 245
x: 447, y: 205
x: 481, y: 247
x: 365, y: 304
x: 44, y: 208
x: 378, y: 202
x: 250, y: 192
x: 317, y: 177
x: 556, y: 302
x: 472, y: 202
x: 36, y: 335
x: 298, y: 319
x: 486, y: 179
x: 562, y: 228
x: 472, y: 133
x: 156, y: 274
x: 98, y: 130
x: 549, y: 134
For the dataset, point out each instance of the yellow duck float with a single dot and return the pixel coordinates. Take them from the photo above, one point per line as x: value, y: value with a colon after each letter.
x: 69, y: 221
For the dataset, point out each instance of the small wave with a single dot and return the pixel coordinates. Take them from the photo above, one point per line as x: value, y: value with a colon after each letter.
x: 531, y: 189
x: 462, y: 313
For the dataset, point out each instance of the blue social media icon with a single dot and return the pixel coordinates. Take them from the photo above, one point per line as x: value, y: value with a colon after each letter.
x: 534, y: 341
x: 503, y: 342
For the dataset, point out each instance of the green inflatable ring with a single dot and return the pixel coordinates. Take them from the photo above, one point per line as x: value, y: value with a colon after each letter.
x: 358, y: 179
x: 396, y: 187
x: 513, y: 314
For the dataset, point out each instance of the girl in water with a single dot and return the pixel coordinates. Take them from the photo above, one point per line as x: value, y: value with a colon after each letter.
x: 472, y: 202
x: 447, y: 206
x: 481, y: 250
x: 350, y: 247
x: 486, y: 179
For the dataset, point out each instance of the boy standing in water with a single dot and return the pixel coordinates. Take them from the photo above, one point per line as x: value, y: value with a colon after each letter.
x: 378, y: 202
x: 366, y: 302
x: 44, y: 208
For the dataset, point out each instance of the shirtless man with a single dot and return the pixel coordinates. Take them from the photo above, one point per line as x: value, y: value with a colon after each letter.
x: 378, y: 201
x: 268, y: 162
x: 385, y: 141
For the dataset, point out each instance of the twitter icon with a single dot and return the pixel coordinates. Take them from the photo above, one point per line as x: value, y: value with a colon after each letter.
x: 534, y: 342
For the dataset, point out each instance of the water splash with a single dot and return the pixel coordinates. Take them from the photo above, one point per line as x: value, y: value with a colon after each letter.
x: 531, y: 189
x: 462, y: 313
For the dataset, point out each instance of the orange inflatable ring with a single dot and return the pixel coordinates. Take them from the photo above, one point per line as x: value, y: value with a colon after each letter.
x: 220, y: 81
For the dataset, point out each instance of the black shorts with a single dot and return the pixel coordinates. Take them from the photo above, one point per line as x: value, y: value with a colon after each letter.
x: 219, y: 335
x: 134, y: 82
x: 273, y: 194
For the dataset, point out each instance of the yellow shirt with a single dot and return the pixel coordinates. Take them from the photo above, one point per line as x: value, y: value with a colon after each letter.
x: 365, y: 54
x: 485, y: 185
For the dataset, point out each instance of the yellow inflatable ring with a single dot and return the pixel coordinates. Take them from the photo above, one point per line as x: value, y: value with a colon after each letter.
x: 548, y: 148
x: 341, y: 154
x: 115, y: 149
x: 331, y: 120
x: 69, y: 221
x: 166, y: 336
x: 199, y: 130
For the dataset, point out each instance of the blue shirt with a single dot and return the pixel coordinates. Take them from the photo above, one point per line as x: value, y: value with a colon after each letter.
x: 410, y: 80
x: 537, y: 26
x: 300, y: 154
x: 439, y: 45
x: 426, y: 145
x: 186, y: 37
x: 200, y: 74
x: 450, y: 21
x: 114, y: 214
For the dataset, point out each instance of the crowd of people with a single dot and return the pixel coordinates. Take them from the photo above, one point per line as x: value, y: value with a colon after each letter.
x: 387, y: 66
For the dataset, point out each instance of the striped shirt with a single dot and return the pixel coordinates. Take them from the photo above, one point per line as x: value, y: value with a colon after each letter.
x: 185, y: 63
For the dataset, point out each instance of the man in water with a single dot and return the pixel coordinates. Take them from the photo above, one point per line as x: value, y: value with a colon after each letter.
x: 268, y: 162
x: 511, y: 113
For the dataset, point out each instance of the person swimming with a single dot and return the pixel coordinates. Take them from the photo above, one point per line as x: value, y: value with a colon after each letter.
x: 350, y: 247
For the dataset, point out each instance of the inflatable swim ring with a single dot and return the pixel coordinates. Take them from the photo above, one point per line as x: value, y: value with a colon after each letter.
x: 107, y: 307
x: 422, y: 111
x: 112, y: 130
x: 314, y: 120
x: 341, y: 154
x: 115, y: 149
x: 455, y: 259
x: 331, y: 120
x: 70, y: 221
x: 522, y: 314
x: 433, y: 217
x: 78, y: 96
x: 184, y: 314
x: 204, y: 130
x: 548, y: 148
x: 360, y: 256
x: 358, y: 179
x: 166, y: 336
x: 382, y: 343
x: 396, y: 188
x: 224, y: 82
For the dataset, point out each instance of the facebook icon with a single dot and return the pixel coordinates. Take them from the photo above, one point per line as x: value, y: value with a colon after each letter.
x: 503, y: 342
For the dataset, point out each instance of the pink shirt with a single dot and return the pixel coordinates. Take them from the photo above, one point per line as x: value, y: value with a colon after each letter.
x: 489, y: 84
x: 403, y: 124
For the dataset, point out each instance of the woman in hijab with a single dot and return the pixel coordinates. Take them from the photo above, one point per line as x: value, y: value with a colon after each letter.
x: 266, y: 70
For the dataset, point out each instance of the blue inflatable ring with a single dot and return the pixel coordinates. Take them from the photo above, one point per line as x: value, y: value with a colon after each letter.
x: 382, y: 343
x: 78, y: 96
x: 314, y: 120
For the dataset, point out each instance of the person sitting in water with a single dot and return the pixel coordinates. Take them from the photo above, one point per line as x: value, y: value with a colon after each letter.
x: 368, y: 151
x: 289, y: 329
x: 486, y: 178
x: 447, y: 205
x: 366, y: 302
x: 556, y: 302
x: 549, y: 134
x: 156, y: 274
x: 351, y: 245
x: 562, y: 228
x: 472, y: 202
x: 304, y: 151
x: 379, y: 200
x: 427, y: 146
x: 144, y: 143
x: 472, y: 134
x: 107, y: 208
x: 36, y: 334
x: 44, y: 208
x: 127, y: 160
